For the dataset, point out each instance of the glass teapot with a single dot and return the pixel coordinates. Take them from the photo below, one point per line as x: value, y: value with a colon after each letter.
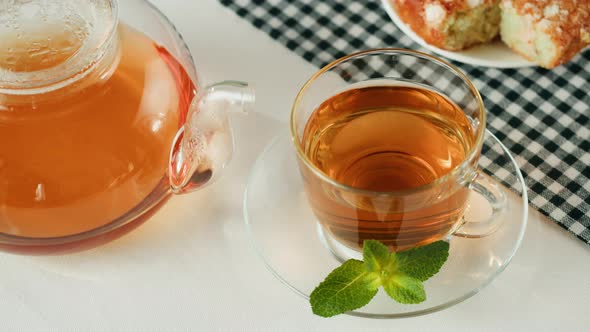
x: 102, y: 118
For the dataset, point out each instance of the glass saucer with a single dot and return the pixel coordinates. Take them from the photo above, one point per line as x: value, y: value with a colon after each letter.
x: 287, y: 237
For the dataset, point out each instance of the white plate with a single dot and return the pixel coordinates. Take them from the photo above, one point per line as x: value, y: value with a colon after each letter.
x: 495, y: 54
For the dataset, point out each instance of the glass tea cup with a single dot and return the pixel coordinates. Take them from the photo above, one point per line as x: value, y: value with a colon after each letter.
x: 102, y: 118
x: 388, y: 143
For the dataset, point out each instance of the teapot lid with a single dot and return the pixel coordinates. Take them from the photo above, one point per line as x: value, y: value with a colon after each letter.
x: 48, y: 44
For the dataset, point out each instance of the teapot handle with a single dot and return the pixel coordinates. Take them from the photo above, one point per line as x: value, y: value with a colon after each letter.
x: 204, y: 145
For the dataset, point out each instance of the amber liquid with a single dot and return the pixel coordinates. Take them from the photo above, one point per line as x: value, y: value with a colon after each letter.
x: 79, y: 157
x: 385, y: 139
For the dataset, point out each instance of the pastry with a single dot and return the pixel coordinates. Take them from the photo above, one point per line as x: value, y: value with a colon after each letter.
x: 451, y: 25
x: 548, y: 32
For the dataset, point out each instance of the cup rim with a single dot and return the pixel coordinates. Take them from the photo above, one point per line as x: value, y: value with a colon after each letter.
x: 453, y: 173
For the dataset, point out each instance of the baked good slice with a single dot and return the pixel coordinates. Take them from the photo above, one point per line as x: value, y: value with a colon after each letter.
x: 451, y: 25
x: 548, y: 32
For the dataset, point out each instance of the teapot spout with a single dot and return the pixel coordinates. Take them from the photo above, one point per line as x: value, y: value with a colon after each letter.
x: 203, y: 147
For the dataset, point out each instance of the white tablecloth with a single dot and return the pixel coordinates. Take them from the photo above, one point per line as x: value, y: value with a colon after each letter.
x: 191, y: 267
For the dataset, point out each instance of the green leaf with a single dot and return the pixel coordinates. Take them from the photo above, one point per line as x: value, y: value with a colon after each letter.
x: 346, y: 288
x: 401, y: 274
x: 422, y: 262
x: 405, y: 289
x: 376, y: 255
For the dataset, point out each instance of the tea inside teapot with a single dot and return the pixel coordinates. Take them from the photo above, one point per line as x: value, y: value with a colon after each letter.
x: 83, y: 145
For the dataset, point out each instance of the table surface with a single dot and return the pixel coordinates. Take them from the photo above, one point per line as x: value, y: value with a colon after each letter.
x: 192, y: 266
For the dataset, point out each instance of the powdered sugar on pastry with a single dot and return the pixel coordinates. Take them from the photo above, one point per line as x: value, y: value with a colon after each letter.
x: 474, y: 3
x: 435, y: 14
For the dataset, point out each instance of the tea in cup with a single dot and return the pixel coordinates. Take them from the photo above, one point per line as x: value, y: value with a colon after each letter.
x: 388, y: 143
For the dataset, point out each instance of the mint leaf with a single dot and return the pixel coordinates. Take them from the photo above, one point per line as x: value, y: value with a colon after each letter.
x: 346, y: 288
x: 401, y: 274
x: 376, y: 255
x: 423, y: 262
x: 405, y: 289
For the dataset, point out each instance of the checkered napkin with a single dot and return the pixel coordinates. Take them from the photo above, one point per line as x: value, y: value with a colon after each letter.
x: 542, y: 116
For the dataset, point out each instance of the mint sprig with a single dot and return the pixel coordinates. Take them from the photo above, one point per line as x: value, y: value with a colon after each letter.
x: 353, y: 284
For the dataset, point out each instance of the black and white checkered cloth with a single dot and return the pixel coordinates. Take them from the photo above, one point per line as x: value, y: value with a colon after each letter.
x: 542, y: 116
